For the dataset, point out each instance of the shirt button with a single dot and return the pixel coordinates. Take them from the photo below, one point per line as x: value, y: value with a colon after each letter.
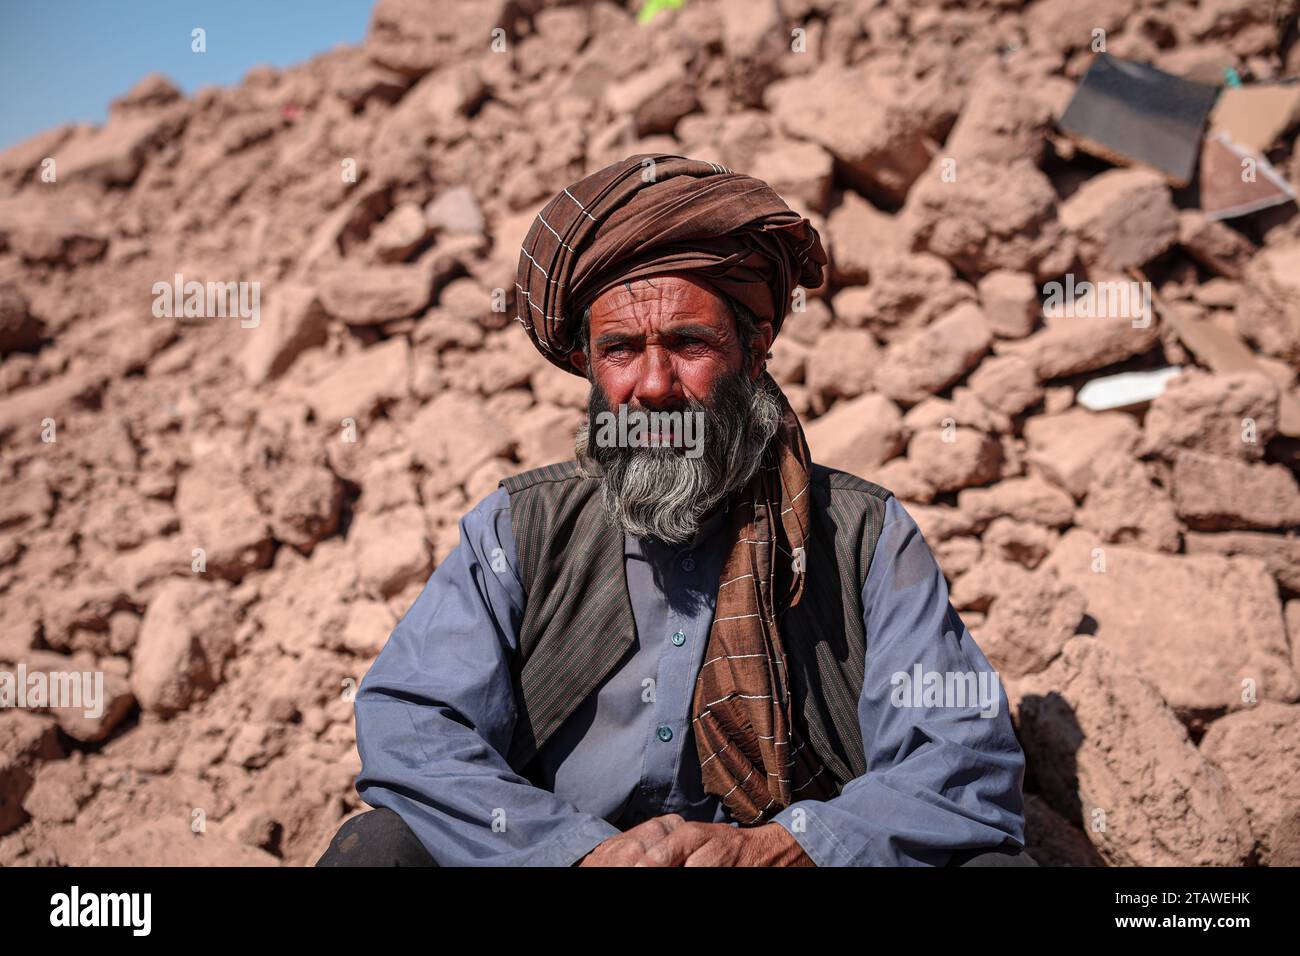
x: 679, y: 638
x: 688, y: 565
x: 665, y: 734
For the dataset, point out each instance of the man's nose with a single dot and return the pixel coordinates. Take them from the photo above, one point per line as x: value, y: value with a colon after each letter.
x: 657, y: 386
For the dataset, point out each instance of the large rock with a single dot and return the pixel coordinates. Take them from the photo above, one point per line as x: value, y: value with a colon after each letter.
x: 1259, y: 750
x: 1006, y: 383
x: 438, y: 106
x: 1213, y: 243
x: 1280, y: 552
x: 1023, y: 542
x: 964, y: 408
x: 19, y: 329
x: 1109, y: 756
x: 879, y: 141
x: 841, y: 364
x: 1070, y: 344
x: 1010, y: 300
x: 654, y: 99
x: 220, y: 515
x: 989, y: 581
x: 25, y: 741
x: 305, y: 504
x: 416, y: 36
x: 1024, y: 499
x: 79, y: 616
x: 1218, y: 494
x: 294, y: 322
x: 113, y: 154
x: 930, y: 360
x: 455, y: 211
x: 92, y: 716
x: 401, y: 234
x: 1268, y: 312
x: 1124, y: 505
x: 1198, y: 627
x: 391, y: 549
x: 1064, y: 447
x: 860, y: 238
x: 171, y: 842
x: 362, y: 382
x: 1234, y: 416
x: 906, y: 294
x: 545, y: 434
x: 858, y: 435
x: 119, y: 343
x: 372, y: 295
x: 1122, y: 218
x: 454, y: 433
x: 1028, y: 626
x: 955, y: 458
x: 999, y: 122
x: 54, y: 230
x: 801, y: 173
x: 187, y: 636
x: 60, y: 790
x: 988, y: 216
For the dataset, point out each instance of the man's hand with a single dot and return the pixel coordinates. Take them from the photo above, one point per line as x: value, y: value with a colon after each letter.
x: 629, y: 847
x: 670, y: 841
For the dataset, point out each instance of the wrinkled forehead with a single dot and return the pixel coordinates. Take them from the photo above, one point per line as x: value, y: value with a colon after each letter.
x: 665, y: 295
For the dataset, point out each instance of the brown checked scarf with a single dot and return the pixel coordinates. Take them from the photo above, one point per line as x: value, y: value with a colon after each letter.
x: 751, y: 751
x: 656, y: 213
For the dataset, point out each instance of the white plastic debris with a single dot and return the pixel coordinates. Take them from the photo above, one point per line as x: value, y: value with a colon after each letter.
x: 1125, y: 389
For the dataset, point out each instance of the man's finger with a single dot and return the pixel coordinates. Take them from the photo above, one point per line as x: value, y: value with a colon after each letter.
x: 631, y: 845
x: 713, y: 853
x: 660, y: 825
x: 674, y: 848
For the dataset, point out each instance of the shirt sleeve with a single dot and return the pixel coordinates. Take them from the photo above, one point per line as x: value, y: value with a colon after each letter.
x: 944, y: 768
x: 436, y: 711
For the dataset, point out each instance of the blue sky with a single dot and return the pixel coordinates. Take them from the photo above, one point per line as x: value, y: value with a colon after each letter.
x: 64, y: 60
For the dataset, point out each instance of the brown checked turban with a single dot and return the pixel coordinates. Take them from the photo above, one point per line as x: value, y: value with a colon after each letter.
x: 655, y: 213
x: 651, y: 214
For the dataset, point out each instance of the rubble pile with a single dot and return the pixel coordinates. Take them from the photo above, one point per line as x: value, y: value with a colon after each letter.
x: 224, y: 511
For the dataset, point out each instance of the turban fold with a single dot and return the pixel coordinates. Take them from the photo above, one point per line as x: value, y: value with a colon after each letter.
x: 653, y: 213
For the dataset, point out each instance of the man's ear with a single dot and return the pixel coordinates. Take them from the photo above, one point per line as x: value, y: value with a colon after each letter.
x: 578, y: 359
x: 762, y: 348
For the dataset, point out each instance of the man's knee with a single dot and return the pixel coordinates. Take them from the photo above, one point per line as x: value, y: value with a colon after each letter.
x: 376, y: 838
x: 999, y: 856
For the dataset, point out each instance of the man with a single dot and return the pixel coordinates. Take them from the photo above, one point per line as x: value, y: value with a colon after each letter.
x: 663, y: 654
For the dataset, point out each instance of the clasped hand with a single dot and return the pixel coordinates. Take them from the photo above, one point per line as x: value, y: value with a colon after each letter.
x: 672, y: 841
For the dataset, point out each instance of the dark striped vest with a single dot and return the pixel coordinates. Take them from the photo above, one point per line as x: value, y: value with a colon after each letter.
x: 578, y: 623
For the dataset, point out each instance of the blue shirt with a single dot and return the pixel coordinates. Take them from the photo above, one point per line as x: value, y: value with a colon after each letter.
x: 435, y: 713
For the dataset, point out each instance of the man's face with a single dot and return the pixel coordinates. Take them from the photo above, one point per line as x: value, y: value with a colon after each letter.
x: 669, y: 344
x: 659, y: 342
